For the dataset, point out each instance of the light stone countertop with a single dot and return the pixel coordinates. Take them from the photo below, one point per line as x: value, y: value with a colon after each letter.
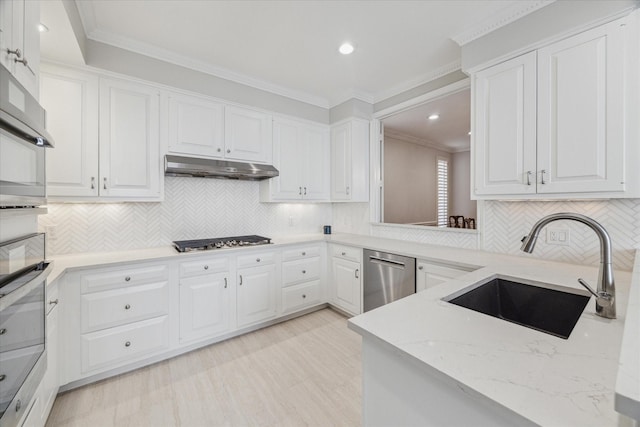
x: 546, y: 379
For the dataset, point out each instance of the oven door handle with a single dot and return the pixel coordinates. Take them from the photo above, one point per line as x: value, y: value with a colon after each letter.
x: 11, y: 298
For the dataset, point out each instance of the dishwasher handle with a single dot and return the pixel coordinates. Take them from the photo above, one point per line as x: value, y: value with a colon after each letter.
x: 387, y: 262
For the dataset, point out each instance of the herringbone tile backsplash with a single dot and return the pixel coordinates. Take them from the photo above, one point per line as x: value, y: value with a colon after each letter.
x: 198, y: 208
x: 193, y: 208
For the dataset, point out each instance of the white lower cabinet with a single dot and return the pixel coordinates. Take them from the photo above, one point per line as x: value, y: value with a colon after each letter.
x: 430, y: 274
x: 346, y: 278
x: 301, y: 278
x: 256, y: 294
x: 205, y: 306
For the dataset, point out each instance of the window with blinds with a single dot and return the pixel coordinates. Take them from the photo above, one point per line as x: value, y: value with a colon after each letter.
x: 443, y: 191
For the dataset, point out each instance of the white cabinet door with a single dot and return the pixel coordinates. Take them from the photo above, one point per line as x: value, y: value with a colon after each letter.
x: 256, y: 294
x: 71, y: 101
x: 430, y: 274
x: 205, y: 306
x: 196, y: 126
x: 347, y: 285
x: 314, y: 163
x: 504, y: 137
x: 341, y: 162
x: 286, y: 158
x: 50, y: 383
x: 19, y: 21
x: 581, y: 112
x: 247, y: 135
x: 129, y: 139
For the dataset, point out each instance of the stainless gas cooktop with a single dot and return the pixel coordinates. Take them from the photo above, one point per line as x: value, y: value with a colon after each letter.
x: 219, y: 243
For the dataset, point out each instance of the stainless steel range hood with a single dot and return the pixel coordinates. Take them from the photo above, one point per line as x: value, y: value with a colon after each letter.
x: 221, y: 169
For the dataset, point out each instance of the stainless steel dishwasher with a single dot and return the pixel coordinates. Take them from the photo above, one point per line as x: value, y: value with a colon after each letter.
x: 387, y: 277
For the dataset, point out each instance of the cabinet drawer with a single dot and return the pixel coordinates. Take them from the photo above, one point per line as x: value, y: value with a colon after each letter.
x: 105, y: 349
x: 300, y: 270
x: 301, y: 252
x: 347, y: 252
x: 256, y: 259
x: 121, y: 277
x: 106, y: 309
x: 204, y: 266
x: 299, y: 296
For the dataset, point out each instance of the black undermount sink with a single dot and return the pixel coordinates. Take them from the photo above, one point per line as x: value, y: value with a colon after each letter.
x: 547, y: 310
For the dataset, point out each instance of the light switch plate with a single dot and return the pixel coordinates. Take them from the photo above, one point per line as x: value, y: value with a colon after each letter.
x: 558, y: 236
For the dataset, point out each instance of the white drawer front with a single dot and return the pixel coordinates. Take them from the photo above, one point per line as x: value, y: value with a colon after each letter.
x: 106, y: 309
x: 204, y: 266
x: 347, y: 252
x: 301, y: 252
x: 108, y: 348
x: 300, y: 270
x: 257, y: 259
x: 300, y: 296
x: 121, y: 277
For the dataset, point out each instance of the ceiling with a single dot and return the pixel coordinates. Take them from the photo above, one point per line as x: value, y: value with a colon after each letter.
x: 291, y: 47
x: 449, y: 132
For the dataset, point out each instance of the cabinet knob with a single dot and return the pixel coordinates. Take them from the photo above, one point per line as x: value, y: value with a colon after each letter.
x: 23, y: 61
x: 127, y: 344
x: 420, y: 267
x: 344, y: 253
x: 17, y: 53
x: 3, y: 376
x: 3, y: 331
x: 228, y: 150
x: 304, y: 253
x: 304, y: 271
x: 219, y: 149
x: 206, y: 267
x: 257, y: 259
x: 127, y: 307
x: 127, y: 279
x: 303, y: 296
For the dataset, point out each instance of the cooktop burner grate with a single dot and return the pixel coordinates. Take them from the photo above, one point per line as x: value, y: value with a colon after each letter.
x: 219, y: 243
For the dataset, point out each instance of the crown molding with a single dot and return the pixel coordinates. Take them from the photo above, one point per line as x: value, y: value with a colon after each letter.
x: 394, y: 134
x: 353, y: 94
x: 500, y: 19
x: 418, y: 81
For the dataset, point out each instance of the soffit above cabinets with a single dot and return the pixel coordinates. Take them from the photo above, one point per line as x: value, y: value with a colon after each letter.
x: 291, y: 48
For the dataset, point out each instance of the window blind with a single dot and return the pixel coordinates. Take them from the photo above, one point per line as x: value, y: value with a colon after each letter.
x: 443, y: 192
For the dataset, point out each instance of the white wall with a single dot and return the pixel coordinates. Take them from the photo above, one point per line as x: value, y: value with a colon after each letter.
x: 410, y: 182
x: 460, y: 202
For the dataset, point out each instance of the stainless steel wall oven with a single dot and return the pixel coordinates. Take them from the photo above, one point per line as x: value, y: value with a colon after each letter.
x: 23, y: 274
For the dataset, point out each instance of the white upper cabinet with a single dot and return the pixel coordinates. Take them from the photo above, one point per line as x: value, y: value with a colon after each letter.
x: 556, y: 122
x: 71, y: 101
x: 350, y: 161
x: 505, y: 127
x: 247, y: 135
x: 301, y: 155
x: 20, y: 41
x: 107, y: 135
x: 129, y: 139
x: 196, y: 126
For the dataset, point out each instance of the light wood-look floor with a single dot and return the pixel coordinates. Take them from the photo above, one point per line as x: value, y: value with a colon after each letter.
x: 306, y: 371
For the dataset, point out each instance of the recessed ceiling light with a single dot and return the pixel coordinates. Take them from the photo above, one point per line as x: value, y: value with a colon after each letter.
x: 469, y: 133
x: 346, y: 48
x: 433, y: 117
x: 42, y: 28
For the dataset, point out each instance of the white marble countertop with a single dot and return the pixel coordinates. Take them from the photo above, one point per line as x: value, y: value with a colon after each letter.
x: 546, y: 379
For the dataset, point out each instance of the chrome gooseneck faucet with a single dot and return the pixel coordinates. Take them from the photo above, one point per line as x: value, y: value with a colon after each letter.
x: 606, y: 291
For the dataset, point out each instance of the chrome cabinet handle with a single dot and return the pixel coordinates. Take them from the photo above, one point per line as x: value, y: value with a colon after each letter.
x: 305, y: 191
x: 542, y: 172
x: 2, y: 377
x: 16, y: 52
x: 127, y: 279
x: 303, y: 296
x: 206, y: 267
x: 348, y: 190
x: 299, y: 191
x: 219, y: 149
x: 105, y: 182
x: 127, y: 307
x: 304, y: 271
x: 528, y: 177
x: 420, y: 267
x: 127, y: 344
x: 3, y: 331
x: 304, y: 253
x: 23, y: 61
x: 357, y: 273
x: 225, y: 283
x: 344, y: 253
x: 241, y: 280
x: 52, y: 302
x: 93, y: 182
x: 257, y: 259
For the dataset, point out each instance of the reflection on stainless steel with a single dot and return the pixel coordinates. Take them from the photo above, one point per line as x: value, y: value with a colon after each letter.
x: 219, y: 243
x: 387, y: 277
x: 605, y: 293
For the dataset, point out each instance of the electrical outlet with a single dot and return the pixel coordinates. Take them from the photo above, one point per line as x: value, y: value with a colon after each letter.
x: 51, y: 232
x: 559, y: 236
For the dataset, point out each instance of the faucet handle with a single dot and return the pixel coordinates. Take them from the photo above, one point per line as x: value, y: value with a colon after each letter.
x: 604, y: 299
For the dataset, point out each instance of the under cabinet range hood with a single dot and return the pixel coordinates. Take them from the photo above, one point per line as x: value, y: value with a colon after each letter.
x: 221, y: 169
